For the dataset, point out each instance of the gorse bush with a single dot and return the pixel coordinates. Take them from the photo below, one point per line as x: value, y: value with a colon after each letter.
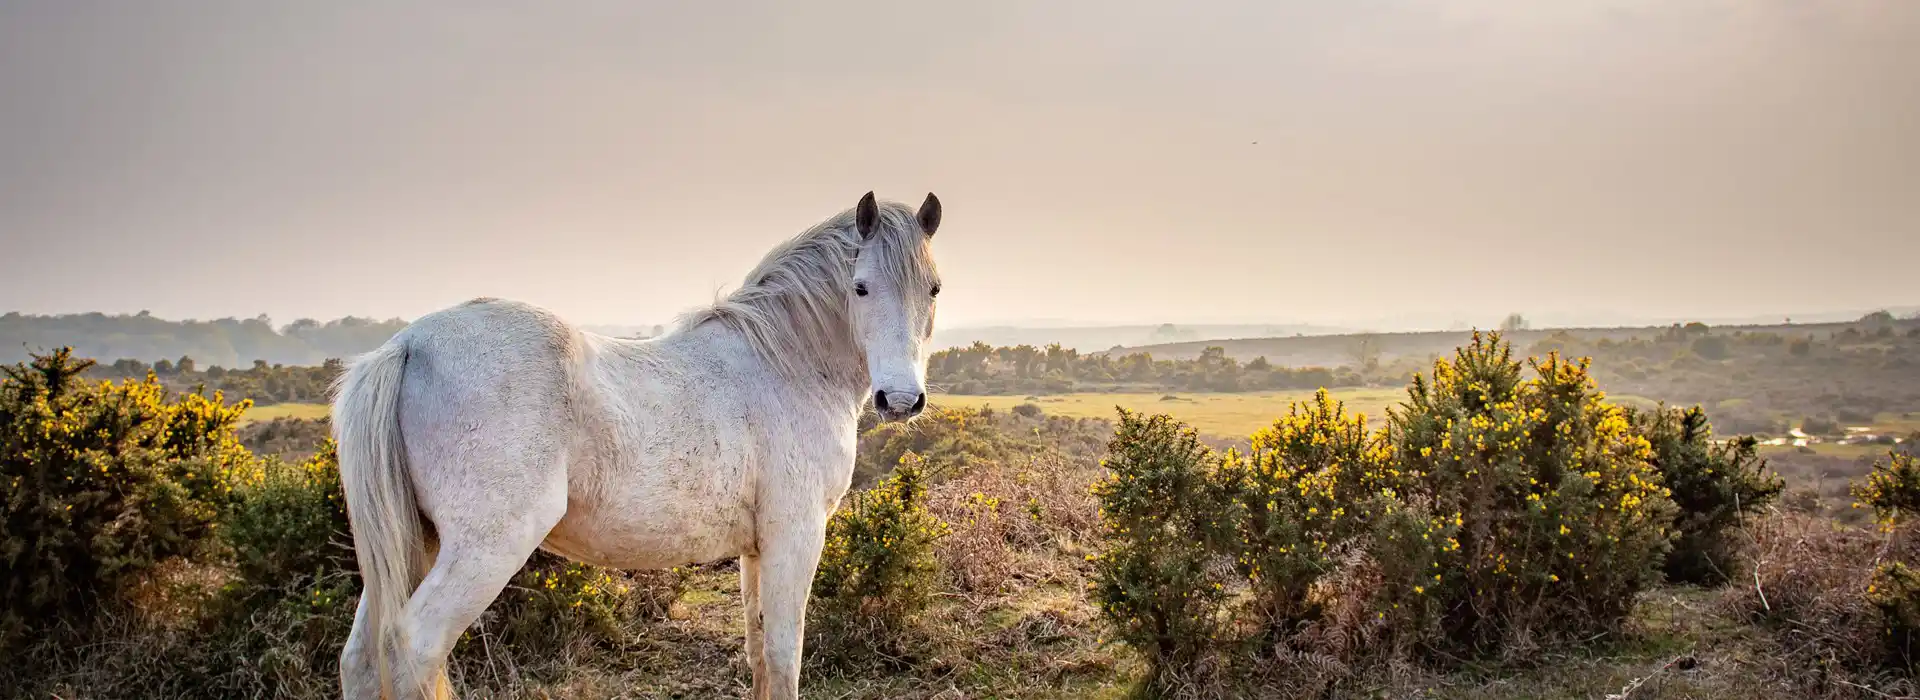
x: 953, y: 441
x: 102, y: 482
x: 554, y: 605
x: 229, y: 576
x: 1892, y: 489
x: 1895, y: 592
x: 877, y: 569
x: 1307, y: 488
x: 1836, y: 598
x: 1560, y: 517
x: 291, y: 603
x: 1166, y: 515
x: 1714, y: 487
x: 1340, y: 563
x: 288, y: 521
x: 1497, y: 512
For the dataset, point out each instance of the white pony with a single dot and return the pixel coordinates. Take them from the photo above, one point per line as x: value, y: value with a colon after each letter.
x: 484, y: 431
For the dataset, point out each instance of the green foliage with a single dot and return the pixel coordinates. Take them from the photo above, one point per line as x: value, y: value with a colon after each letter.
x: 1749, y: 378
x: 1892, y: 489
x: 984, y: 369
x: 1160, y: 580
x: 554, y: 604
x: 1711, y: 347
x: 1309, y: 486
x: 103, y: 481
x: 1496, y: 513
x: 1715, y: 487
x: 268, y: 638
x: 952, y: 441
x: 289, y: 522
x: 1561, y: 517
x: 877, y: 569
x: 1813, y: 425
x: 1895, y: 592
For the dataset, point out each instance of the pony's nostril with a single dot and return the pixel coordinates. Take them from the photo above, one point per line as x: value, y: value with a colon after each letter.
x: 920, y: 403
x: 880, y: 401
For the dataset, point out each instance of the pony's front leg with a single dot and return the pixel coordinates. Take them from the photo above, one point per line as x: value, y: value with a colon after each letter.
x: 789, y: 551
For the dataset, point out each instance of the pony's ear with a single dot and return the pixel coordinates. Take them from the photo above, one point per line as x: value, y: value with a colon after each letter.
x: 866, y: 216
x: 930, y: 214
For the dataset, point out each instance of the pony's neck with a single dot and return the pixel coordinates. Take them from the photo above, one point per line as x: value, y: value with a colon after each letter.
x: 837, y: 371
x: 794, y: 313
x: 843, y: 375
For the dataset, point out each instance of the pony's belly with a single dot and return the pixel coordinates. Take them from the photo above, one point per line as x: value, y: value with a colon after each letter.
x: 648, y: 538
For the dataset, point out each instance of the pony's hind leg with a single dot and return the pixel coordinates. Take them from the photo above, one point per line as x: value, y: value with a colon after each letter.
x: 482, y: 545
x: 359, y: 678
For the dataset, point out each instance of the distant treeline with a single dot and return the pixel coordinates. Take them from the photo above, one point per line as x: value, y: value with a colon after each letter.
x: 226, y: 342
x: 1025, y: 369
x: 263, y: 383
x: 1753, y: 380
x: 1764, y: 382
x: 979, y: 369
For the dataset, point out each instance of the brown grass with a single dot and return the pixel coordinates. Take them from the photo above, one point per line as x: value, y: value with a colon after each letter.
x: 1016, y: 527
x: 1808, y: 590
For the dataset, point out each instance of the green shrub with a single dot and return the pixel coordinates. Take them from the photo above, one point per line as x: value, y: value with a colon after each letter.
x: 1815, y: 425
x: 1560, y: 517
x: 1168, y: 526
x: 1498, y: 512
x: 269, y: 637
x: 1895, y: 592
x: 877, y: 569
x: 289, y: 522
x: 1714, y: 488
x: 953, y: 441
x: 1892, y: 489
x: 555, y: 606
x: 102, y: 481
x: 1310, y: 485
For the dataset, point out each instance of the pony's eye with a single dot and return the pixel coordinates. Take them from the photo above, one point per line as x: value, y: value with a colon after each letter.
x: 860, y: 288
x: 935, y: 292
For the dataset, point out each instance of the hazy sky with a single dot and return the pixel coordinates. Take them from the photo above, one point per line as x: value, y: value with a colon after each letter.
x: 623, y: 161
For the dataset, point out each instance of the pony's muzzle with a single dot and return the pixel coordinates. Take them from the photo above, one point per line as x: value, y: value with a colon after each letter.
x: 899, y: 405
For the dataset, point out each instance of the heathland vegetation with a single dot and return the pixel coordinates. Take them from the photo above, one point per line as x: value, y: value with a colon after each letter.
x: 1754, y: 380
x: 1505, y: 529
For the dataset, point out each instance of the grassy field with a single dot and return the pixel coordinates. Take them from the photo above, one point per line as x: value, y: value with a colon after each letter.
x: 1219, y: 415
x: 286, y: 410
x: 1829, y: 450
x: 1897, y: 423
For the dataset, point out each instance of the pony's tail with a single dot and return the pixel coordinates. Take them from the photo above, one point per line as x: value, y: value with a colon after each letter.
x: 387, y: 532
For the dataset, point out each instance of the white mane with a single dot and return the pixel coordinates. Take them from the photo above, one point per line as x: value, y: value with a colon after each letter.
x: 794, y: 307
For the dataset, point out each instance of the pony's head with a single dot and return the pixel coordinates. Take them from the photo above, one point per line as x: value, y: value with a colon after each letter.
x: 858, y: 287
x: 892, y: 300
